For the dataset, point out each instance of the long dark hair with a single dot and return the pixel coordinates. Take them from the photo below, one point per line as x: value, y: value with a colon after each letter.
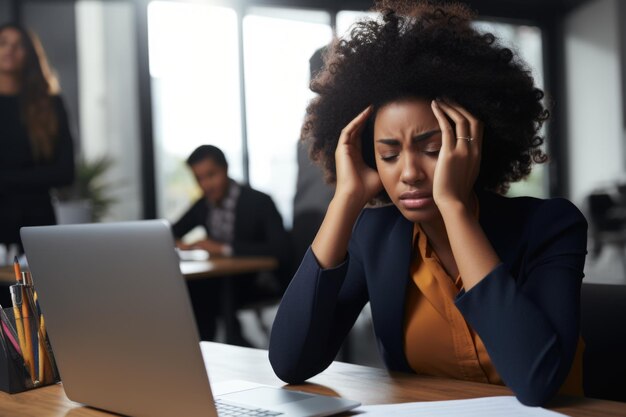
x: 37, y: 87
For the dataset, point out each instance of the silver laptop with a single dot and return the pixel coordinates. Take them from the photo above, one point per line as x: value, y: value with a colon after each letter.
x: 122, y: 328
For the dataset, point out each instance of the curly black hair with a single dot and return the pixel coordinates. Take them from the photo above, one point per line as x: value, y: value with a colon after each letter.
x: 429, y: 50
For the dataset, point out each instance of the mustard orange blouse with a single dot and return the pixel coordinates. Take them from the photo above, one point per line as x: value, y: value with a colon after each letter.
x: 437, y: 339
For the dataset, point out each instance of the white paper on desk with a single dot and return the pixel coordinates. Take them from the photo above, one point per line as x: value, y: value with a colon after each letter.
x: 192, y: 254
x: 476, y: 407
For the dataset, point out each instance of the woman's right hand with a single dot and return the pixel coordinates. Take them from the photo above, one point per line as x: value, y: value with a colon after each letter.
x: 356, y: 185
x: 355, y: 180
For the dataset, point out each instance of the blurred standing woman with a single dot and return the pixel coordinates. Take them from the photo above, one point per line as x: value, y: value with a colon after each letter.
x: 36, y: 147
x: 436, y: 119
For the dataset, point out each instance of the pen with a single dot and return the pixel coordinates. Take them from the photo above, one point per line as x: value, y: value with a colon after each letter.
x: 26, y: 279
x: 37, y: 330
x: 46, y: 364
x: 28, y: 304
x: 32, y: 327
x: 21, y: 311
x: 31, y: 330
x: 16, y: 298
x: 29, y: 356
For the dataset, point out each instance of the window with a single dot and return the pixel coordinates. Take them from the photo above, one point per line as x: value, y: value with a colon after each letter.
x: 526, y: 41
x: 108, y: 99
x: 195, y: 69
x: 346, y: 18
x: 194, y: 65
x: 277, y: 46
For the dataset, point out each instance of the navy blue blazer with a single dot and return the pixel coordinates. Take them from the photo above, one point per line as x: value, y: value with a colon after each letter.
x: 526, y: 310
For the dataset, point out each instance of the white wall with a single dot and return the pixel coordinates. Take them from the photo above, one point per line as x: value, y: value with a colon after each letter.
x: 594, y: 102
x: 108, y: 97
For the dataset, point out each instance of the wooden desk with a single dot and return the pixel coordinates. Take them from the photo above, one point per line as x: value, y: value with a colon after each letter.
x: 360, y: 383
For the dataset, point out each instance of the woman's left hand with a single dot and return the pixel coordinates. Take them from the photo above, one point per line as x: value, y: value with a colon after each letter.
x: 459, y: 158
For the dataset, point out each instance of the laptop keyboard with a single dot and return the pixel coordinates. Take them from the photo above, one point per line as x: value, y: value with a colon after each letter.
x: 229, y: 410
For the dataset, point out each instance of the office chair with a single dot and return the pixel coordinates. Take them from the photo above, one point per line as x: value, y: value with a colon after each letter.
x: 604, y: 228
x: 603, y: 327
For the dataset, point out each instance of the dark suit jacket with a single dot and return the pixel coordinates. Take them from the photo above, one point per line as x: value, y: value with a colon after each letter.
x: 526, y: 310
x: 259, y: 229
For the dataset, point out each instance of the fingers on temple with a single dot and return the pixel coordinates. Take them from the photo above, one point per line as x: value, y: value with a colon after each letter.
x: 462, y: 134
x: 447, y: 131
x: 476, y: 126
x: 354, y: 128
x: 475, y: 130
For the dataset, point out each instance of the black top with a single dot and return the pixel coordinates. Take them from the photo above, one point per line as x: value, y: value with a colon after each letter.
x: 258, y: 229
x: 24, y: 183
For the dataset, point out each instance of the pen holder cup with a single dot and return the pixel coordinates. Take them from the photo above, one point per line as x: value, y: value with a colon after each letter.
x: 17, y: 370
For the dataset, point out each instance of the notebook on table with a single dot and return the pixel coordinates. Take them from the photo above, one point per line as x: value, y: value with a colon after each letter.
x: 122, y: 328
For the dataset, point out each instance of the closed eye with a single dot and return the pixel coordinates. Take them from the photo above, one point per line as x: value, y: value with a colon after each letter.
x: 389, y: 157
x: 431, y: 147
x: 432, y: 152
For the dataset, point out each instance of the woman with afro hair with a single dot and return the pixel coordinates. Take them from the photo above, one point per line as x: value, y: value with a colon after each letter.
x: 421, y: 111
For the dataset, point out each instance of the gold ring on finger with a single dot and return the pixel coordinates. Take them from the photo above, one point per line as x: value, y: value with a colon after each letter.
x: 467, y: 138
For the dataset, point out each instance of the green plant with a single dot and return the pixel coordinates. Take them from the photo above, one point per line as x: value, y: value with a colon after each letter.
x: 89, y: 185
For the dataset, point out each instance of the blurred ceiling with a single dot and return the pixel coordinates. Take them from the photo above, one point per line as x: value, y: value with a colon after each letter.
x: 520, y: 10
x: 535, y: 10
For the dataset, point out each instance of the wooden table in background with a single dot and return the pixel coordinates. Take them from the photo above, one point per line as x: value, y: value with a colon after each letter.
x: 220, y: 267
x: 7, y: 276
x: 361, y: 383
x: 217, y: 267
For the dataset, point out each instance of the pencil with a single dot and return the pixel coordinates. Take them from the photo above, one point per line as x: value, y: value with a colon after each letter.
x: 41, y: 372
x: 27, y: 348
x: 18, y: 270
x: 29, y: 355
x: 39, y: 357
x: 50, y: 373
x: 42, y: 358
x: 16, y: 298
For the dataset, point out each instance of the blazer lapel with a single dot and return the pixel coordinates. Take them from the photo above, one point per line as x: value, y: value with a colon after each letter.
x: 390, y: 276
